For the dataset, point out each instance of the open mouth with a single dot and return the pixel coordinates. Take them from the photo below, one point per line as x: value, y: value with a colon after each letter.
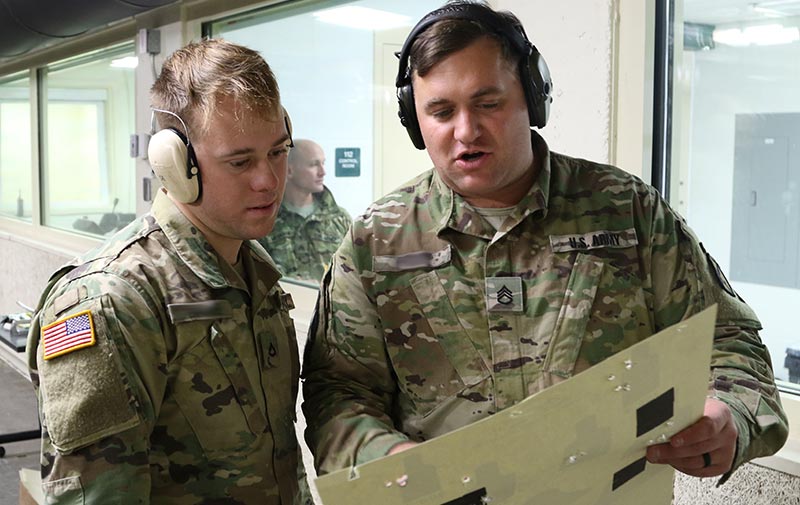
x: 471, y: 156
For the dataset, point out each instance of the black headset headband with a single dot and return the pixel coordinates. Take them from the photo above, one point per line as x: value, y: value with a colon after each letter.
x: 469, y: 12
x: 533, y: 72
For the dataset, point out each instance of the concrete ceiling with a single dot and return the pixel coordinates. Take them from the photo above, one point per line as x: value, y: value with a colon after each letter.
x: 27, y: 25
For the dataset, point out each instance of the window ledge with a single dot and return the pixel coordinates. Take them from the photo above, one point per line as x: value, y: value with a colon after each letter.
x: 787, y: 460
x: 49, y: 240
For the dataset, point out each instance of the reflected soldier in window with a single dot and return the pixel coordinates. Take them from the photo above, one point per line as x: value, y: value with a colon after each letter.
x: 310, y: 224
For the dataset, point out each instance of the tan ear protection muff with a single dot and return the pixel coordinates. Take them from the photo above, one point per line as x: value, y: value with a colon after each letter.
x: 175, y: 164
x: 288, y: 122
x: 534, y: 74
x: 173, y: 160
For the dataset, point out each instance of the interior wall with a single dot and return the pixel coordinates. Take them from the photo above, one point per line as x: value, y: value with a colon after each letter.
x: 576, y: 40
x: 24, y: 270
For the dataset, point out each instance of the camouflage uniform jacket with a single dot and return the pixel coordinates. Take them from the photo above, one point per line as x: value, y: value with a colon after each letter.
x: 187, y: 394
x: 404, y: 347
x: 302, y: 246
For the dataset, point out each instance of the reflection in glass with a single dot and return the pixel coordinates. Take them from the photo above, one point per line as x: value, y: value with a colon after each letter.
x: 336, y: 65
x: 310, y: 224
x: 89, y: 176
x: 736, y: 156
x: 16, y: 167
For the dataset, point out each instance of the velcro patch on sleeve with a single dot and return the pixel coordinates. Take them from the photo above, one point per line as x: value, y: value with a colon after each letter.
x: 71, y: 333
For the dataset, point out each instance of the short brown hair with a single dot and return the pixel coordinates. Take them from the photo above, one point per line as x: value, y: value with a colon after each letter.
x: 196, y: 77
x: 448, y: 36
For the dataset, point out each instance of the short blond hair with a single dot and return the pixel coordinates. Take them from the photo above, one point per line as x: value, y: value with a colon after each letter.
x: 195, y: 78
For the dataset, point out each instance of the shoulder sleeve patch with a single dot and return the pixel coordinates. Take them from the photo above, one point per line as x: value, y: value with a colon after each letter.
x: 715, y: 269
x: 68, y: 334
x: 87, y: 395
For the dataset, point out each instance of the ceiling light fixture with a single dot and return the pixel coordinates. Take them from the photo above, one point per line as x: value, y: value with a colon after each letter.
x: 363, y: 18
x: 125, y: 62
x: 776, y: 8
x: 762, y: 35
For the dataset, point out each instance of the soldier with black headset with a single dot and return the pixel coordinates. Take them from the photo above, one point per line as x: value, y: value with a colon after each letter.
x: 508, y: 268
x: 165, y: 361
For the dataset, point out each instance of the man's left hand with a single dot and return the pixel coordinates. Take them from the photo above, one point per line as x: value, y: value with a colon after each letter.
x: 704, y: 449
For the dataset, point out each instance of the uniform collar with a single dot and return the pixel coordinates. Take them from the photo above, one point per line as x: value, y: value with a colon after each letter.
x: 197, y: 253
x: 461, y: 216
x: 323, y: 200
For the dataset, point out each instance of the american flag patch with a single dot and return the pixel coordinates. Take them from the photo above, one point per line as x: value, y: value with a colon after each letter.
x: 68, y: 334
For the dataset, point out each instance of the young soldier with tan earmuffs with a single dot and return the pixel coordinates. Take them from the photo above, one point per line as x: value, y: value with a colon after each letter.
x: 165, y: 361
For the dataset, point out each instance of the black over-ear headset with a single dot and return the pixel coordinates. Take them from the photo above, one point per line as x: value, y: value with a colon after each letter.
x: 174, y: 162
x: 534, y: 74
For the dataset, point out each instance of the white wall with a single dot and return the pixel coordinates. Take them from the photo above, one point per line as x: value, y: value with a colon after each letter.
x: 576, y: 40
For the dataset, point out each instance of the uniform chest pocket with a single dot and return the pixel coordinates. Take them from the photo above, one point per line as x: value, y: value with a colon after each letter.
x: 603, y: 312
x: 215, y: 395
x: 324, y: 233
x: 431, y: 353
x: 281, y: 375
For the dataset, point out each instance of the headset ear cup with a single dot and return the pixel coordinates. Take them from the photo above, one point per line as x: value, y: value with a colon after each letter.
x: 540, y: 89
x: 193, y: 175
x: 288, y: 122
x: 175, y: 165
x: 408, y: 115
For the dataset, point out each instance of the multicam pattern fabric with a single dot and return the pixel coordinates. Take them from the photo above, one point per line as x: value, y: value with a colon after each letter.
x: 188, y: 395
x: 302, y: 247
x: 404, y: 346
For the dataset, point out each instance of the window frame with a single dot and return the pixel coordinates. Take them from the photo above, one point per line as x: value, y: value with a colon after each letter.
x: 102, y: 204
x: 37, y: 232
x: 24, y: 99
x: 667, y: 37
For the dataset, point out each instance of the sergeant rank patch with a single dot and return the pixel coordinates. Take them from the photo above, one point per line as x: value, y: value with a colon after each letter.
x: 69, y: 334
x: 504, y: 294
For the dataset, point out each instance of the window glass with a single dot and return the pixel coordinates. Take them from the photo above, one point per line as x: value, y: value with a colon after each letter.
x: 336, y: 66
x: 735, y: 162
x: 15, y: 147
x: 88, y: 174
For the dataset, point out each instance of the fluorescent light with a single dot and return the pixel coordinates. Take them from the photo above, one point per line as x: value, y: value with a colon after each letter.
x: 779, y: 3
x: 363, y: 18
x: 766, y: 11
x: 762, y: 35
x: 125, y: 62
x: 777, y: 8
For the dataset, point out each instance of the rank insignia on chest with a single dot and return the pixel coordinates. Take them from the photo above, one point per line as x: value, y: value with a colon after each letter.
x: 504, y: 294
x: 71, y: 333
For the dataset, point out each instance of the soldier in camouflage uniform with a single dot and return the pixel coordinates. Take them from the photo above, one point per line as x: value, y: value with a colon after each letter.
x: 165, y: 361
x: 310, y: 225
x: 508, y: 268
